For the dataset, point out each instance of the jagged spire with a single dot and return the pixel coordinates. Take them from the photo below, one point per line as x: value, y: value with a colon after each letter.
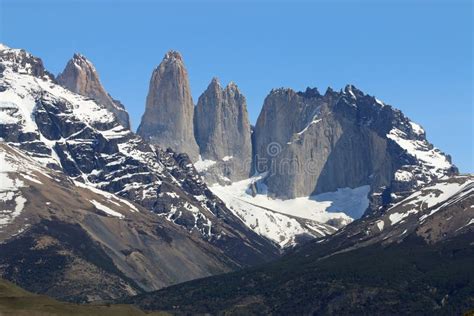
x: 80, y: 76
x: 222, y: 131
x: 351, y: 90
x: 168, y: 118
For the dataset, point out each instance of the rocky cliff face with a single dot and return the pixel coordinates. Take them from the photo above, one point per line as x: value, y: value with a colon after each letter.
x: 311, y: 143
x: 222, y: 131
x: 168, y: 118
x: 80, y: 76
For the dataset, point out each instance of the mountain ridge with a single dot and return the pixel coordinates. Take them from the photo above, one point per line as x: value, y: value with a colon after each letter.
x: 393, y: 173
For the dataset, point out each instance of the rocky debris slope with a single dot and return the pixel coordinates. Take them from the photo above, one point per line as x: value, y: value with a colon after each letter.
x: 222, y: 131
x: 69, y: 240
x: 80, y: 76
x: 84, y: 140
x: 168, y: 118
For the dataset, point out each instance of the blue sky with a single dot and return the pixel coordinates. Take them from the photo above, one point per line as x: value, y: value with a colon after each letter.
x: 415, y: 55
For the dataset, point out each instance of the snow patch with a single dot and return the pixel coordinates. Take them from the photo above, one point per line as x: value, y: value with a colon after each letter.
x: 380, y: 224
x: 109, y: 196
x: 417, y: 129
x: 202, y: 165
x: 398, y: 217
x: 27, y: 177
x: 379, y: 102
x: 282, y: 220
x: 106, y: 209
x: 9, y: 189
x: 314, y: 121
x: 320, y: 208
x: 403, y: 176
x: 448, y: 190
x: 436, y: 162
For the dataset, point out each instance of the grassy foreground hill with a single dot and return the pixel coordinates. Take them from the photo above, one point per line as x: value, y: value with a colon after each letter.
x: 16, y: 301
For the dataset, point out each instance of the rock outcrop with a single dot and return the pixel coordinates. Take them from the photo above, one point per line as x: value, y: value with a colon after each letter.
x: 80, y: 76
x: 168, y: 118
x: 222, y: 131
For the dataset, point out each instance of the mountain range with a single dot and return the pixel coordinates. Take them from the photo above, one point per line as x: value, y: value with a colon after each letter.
x: 332, y: 203
x: 55, y: 142
x: 308, y: 151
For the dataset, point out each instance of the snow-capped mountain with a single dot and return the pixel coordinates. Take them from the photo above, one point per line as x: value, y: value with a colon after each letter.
x: 345, y: 145
x: 286, y: 177
x: 343, y: 139
x: 83, y: 141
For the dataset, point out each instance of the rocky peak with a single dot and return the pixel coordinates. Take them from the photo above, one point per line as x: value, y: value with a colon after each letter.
x: 81, y: 58
x: 281, y: 91
x: 173, y: 55
x: 82, y: 63
x: 310, y: 93
x: 329, y: 91
x: 352, y: 91
x: 23, y: 62
x: 233, y: 91
x: 232, y: 86
x: 222, y: 131
x: 168, y: 117
x: 214, y: 86
x: 80, y: 76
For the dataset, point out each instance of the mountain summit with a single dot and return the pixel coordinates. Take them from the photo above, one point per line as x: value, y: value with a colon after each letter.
x: 222, y: 131
x: 168, y: 118
x: 80, y: 76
